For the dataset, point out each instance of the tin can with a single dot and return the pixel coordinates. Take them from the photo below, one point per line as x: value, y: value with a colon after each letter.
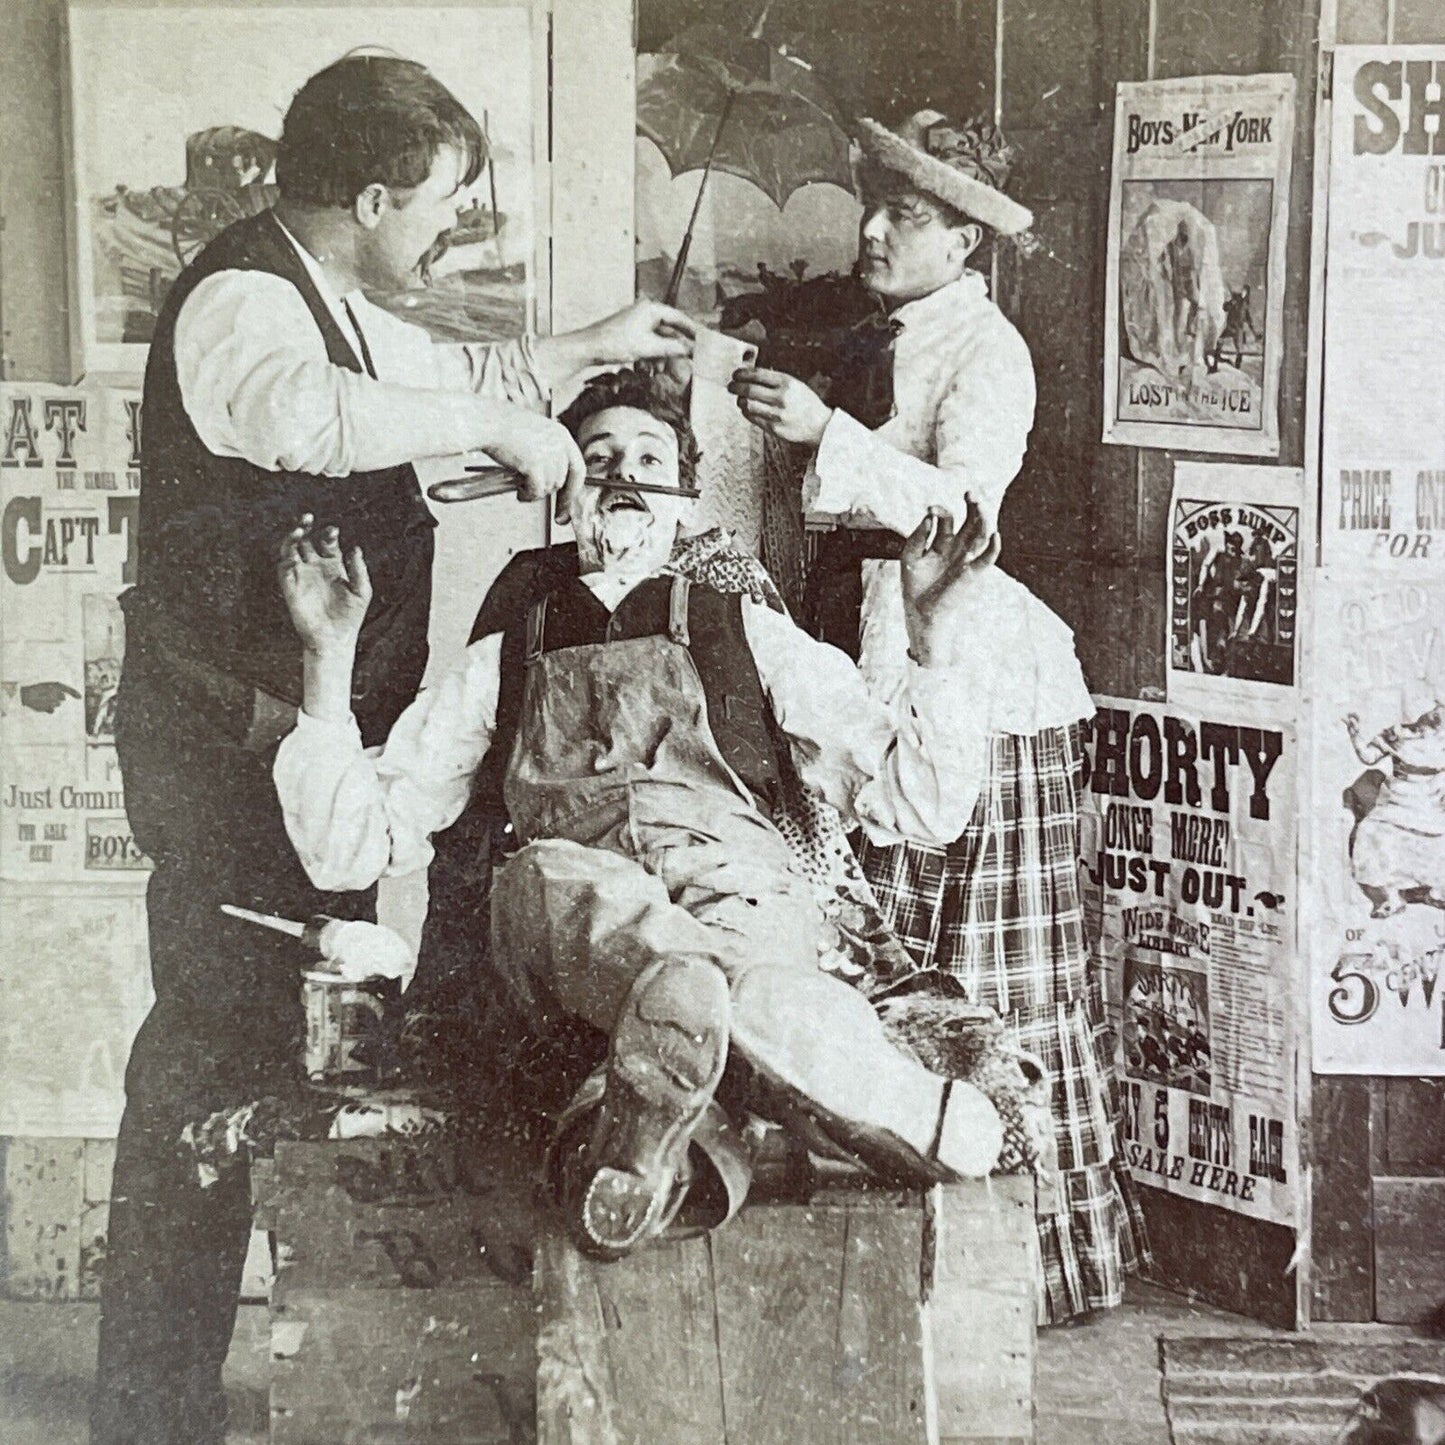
x: 344, y: 1024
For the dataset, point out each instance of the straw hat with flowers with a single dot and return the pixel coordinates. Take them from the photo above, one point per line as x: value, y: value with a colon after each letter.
x: 965, y: 167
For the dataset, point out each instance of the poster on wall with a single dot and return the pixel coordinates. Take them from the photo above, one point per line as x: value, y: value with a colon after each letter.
x: 1383, y: 458
x: 159, y: 168
x: 1233, y: 584
x: 69, y: 484
x: 1194, y: 300
x: 1377, y: 1000
x: 1189, y: 853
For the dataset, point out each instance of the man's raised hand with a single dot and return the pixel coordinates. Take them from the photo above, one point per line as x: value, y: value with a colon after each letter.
x: 938, y: 566
x: 326, y: 594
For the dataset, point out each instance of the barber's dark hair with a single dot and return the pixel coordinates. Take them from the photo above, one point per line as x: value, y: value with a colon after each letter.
x: 369, y: 118
x: 643, y: 391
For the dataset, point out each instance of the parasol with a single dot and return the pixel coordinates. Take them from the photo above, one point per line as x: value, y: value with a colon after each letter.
x: 719, y: 100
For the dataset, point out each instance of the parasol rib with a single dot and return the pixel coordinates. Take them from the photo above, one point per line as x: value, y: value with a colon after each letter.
x: 674, y: 284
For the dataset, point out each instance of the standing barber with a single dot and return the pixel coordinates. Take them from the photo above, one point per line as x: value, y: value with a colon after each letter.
x: 999, y: 908
x: 274, y: 389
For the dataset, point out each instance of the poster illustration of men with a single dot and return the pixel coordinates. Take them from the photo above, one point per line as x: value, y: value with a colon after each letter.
x: 1196, y: 236
x: 1166, y: 1025
x: 1233, y: 582
x: 1379, y: 814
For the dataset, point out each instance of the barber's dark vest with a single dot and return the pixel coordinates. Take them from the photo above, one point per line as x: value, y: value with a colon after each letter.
x: 738, y: 711
x: 210, y: 526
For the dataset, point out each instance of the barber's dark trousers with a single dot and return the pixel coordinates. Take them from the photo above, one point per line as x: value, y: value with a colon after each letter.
x: 226, y: 1028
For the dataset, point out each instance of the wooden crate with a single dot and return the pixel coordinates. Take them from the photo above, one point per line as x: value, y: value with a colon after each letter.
x: 858, y: 1317
x: 404, y: 1307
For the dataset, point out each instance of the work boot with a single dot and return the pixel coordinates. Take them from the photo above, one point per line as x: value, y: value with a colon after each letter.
x: 628, y: 1179
x: 819, y: 1045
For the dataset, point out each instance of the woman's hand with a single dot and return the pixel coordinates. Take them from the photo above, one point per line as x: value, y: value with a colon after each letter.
x: 327, y: 595
x: 781, y: 405
x: 938, y: 567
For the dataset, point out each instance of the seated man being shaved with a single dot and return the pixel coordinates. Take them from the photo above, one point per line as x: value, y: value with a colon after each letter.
x: 636, y: 727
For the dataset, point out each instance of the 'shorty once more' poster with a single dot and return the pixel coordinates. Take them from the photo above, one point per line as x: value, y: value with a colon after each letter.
x: 1383, y: 466
x: 1195, y: 294
x: 1233, y: 584
x: 1189, y: 856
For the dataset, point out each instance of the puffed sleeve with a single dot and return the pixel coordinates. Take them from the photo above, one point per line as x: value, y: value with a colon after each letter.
x: 354, y: 814
x: 980, y: 434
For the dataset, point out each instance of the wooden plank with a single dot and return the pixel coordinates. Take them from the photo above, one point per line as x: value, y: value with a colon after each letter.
x: 1228, y: 38
x: 399, y: 1309
x: 1409, y: 1250
x: 661, y: 1320
x: 806, y: 1353
x: 981, y: 1310
x: 628, y: 1351
x: 1342, y: 1259
x: 776, y: 1274
x: 1108, y: 649
x: 882, y: 1389
x: 1054, y: 302
x: 1151, y: 629
x: 1295, y: 48
x: 33, y: 332
x: 1056, y: 163
x: 1414, y: 1123
x: 1123, y: 45
x: 1156, y: 484
x: 1216, y: 1255
x: 1418, y: 22
x: 1051, y: 62
x: 1362, y: 22
x: 44, y: 1185
x: 1066, y: 587
x: 969, y: 69
x: 1114, y: 504
x: 574, y: 1383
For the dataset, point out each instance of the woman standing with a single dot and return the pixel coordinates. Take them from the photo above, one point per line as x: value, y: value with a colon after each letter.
x: 1000, y: 907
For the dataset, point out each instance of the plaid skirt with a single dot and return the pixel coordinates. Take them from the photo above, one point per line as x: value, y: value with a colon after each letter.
x: 1000, y: 910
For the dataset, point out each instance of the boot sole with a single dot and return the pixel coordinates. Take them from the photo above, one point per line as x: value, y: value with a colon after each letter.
x: 668, y: 1052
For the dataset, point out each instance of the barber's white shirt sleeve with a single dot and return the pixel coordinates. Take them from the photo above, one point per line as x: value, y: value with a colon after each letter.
x: 354, y: 814
x: 256, y: 383
x: 979, y: 437
x: 908, y: 767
